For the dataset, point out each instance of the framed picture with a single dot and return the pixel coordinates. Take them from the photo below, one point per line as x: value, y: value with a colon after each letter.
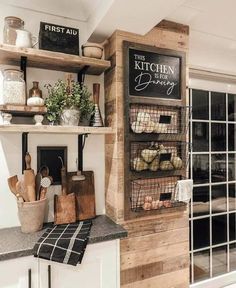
x: 49, y: 156
x: 154, y: 72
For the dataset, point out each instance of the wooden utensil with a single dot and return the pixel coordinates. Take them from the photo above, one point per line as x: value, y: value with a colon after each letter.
x: 64, y: 205
x: 85, y: 194
x: 45, y: 183
x: 29, y: 179
x: 20, y: 191
x: 12, y: 183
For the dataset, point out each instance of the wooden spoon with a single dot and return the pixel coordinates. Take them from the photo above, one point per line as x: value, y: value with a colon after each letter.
x: 12, y: 183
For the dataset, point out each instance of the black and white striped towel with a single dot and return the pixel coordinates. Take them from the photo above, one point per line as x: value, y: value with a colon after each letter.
x: 64, y: 243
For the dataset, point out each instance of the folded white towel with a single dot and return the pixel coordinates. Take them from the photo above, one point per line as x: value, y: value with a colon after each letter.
x: 184, y: 190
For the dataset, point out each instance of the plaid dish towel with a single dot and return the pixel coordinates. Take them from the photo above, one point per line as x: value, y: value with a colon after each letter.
x: 64, y: 243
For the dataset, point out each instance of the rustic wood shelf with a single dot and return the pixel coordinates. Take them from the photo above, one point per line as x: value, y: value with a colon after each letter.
x: 11, y: 55
x: 50, y: 129
x: 23, y: 110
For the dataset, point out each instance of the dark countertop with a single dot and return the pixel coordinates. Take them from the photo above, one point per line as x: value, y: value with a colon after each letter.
x: 14, y: 243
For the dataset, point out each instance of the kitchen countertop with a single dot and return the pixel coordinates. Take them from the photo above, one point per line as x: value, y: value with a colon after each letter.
x: 14, y: 243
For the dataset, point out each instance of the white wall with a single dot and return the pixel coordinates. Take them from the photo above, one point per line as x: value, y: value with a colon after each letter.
x: 10, y: 144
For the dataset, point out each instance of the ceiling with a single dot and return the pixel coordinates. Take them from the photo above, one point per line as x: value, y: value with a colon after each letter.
x: 212, y: 22
x: 74, y: 9
x: 215, y: 17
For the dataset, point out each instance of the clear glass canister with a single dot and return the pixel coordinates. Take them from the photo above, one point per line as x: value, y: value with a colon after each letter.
x: 9, y: 32
x: 13, y: 87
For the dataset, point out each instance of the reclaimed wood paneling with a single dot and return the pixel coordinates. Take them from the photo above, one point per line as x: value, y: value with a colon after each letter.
x: 156, y: 252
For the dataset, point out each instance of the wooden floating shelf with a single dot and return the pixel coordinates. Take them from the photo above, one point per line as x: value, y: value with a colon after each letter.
x: 23, y: 110
x: 50, y: 129
x: 11, y: 55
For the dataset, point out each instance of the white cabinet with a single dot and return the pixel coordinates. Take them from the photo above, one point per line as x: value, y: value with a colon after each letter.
x: 99, y: 269
x: 15, y: 273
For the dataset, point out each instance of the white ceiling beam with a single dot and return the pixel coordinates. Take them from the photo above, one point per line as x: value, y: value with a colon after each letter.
x: 137, y: 16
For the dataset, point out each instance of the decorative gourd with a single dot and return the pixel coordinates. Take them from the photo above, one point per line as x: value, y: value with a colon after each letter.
x: 149, y: 154
x: 35, y: 101
x: 154, y: 166
x: 166, y: 165
x: 139, y: 164
x: 138, y: 127
x: 143, y: 117
x: 177, y: 162
x: 149, y: 127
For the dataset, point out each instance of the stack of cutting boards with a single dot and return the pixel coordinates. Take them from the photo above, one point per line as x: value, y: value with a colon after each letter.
x: 85, y: 194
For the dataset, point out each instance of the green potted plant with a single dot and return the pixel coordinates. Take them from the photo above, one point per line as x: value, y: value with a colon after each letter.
x: 68, y: 102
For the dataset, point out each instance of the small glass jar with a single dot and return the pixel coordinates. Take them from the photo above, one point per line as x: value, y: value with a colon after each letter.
x: 9, y: 32
x: 13, y: 87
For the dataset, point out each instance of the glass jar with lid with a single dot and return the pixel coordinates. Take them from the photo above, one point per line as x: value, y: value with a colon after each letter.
x: 13, y: 87
x: 9, y: 32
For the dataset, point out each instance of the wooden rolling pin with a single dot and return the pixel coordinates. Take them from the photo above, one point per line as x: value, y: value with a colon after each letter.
x: 29, y: 179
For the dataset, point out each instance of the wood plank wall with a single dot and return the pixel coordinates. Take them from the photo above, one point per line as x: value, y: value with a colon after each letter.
x: 155, y: 254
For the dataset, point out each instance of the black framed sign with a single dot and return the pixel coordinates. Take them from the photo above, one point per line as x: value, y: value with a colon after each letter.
x: 154, y: 72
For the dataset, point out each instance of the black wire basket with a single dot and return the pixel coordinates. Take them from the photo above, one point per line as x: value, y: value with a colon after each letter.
x: 158, y: 119
x: 153, y: 194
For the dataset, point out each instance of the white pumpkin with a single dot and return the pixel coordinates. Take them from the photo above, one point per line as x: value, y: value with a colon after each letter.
x: 143, y: 117
x: 35, y: 101
x: 137, y: 127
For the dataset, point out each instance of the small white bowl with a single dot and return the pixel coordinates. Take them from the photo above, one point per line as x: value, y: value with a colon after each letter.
x: 92, y: 50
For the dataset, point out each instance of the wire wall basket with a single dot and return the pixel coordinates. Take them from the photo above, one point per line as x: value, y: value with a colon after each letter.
x: 153, y: 194
x: 158, y: 156
x: 159, y: 119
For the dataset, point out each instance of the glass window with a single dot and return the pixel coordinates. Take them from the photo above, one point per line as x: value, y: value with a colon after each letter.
x: 219, y: 229
x: 201, y: 240
x: 219, y: 200
x: 231, y: 167
x: 201, y: 265
x: 232, y: 231
x: 232, y: 256
x: 232, y: 196
x: 200, y: 137
x: 200, y: 104
x: 218, y: 106
x: 232, y: 107
x: 201, y: 203
x: 231, y: 137
x: 218, y: 137
x: 219, y: 260
x: 200, y: 169
x: 218, y: 168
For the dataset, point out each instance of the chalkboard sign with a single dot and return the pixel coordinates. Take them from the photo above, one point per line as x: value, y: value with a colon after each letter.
x: 59, y: 38
x: 152, y: 74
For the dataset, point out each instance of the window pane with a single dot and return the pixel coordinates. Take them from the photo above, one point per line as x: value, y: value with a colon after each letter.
x: 201, y: 169
x: 200, y: 137
x: 201, y: 265
x: 219, y: 260
x: 231, y: 167
x: 231, y: 137
x: 218, y: 168
x: 232, y: 107
x: 232, y: 196
x: 219, y: 229
x: 219, y: 200
x: 200, y: 104
x: 218, y: 137
x: 218, y: 106
x: 232, y: 231
x: 201, y: 233
x: 232, y: 256
x: 201, y: 204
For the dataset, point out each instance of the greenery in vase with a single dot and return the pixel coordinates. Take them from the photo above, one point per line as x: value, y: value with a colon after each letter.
x: 59, y: 99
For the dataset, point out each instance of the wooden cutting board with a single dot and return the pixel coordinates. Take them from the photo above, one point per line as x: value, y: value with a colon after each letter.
x: 85, y: 194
